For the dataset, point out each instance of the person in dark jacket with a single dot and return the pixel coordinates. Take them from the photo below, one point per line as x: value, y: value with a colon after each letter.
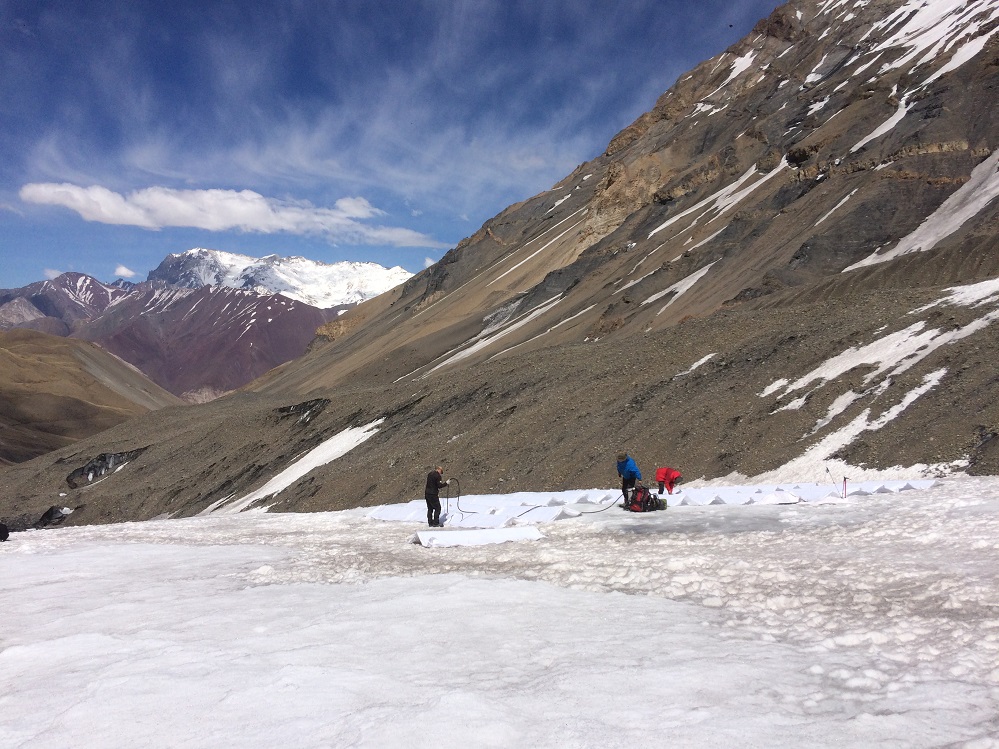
x: 667, y: 478
x: 627, y: 469
x: 435, y: 482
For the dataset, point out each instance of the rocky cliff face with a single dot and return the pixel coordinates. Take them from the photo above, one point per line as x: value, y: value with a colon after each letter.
x: 789, y: 263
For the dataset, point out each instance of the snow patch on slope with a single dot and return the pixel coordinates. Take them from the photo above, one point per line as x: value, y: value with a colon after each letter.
x: 964, y: 204
x: 335, y: 447
x: 726, y: 198
x: 679, y: 288
x: 929, y: 31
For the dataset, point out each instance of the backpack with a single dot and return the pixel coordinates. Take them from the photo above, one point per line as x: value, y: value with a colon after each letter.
x: 642, y: 500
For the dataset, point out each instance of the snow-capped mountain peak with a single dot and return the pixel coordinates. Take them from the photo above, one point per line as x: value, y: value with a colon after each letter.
x: 322, y: 285
x: 85, y: 292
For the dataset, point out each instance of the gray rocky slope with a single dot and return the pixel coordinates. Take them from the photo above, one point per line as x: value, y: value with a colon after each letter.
x: 758, y: 269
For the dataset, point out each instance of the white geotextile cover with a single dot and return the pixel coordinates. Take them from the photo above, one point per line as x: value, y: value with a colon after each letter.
x: 502, y: 510
x: 770, y: 494
x: 496, y: 511
x: 477, y: 537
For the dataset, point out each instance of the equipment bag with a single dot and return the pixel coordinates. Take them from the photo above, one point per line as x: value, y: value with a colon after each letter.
x: 642, y: 500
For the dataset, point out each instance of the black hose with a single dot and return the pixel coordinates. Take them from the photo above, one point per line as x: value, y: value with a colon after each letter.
x: 457, y: 499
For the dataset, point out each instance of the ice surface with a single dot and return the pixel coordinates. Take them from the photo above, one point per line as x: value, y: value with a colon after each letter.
x: 865, y: 622
x: 501, y: 510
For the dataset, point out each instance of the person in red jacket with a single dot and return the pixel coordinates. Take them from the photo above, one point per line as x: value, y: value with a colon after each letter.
x: 667, y: 478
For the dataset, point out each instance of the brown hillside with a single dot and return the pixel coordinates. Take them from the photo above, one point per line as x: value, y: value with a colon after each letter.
x: 56, y: 391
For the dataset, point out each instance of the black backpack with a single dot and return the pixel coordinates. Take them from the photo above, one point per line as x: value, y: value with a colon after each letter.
x: 642, y: 500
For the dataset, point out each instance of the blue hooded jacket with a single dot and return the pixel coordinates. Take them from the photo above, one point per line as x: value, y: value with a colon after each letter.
x: 628, y: 469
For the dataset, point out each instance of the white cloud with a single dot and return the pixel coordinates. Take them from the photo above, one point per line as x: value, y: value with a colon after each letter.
x: 123, y: 272
x: 428, y: 261
x: 223, y: 210
x: 51, y: 273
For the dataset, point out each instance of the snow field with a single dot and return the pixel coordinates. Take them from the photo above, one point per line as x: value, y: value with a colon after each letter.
x: 869, y: 622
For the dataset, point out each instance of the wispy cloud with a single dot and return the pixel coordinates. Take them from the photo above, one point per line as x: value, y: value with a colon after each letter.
x: 470, y: 107
x: 224, y: 210
x: 124, y: 272
x: 51, y: 273
x: 196, y: 114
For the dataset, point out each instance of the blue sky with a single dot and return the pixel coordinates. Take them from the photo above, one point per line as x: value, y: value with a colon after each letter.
x: 336, y: 130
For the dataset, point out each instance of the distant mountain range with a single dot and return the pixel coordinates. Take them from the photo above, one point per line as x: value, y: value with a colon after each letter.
x: 205, y: 322
x: 317, y: 284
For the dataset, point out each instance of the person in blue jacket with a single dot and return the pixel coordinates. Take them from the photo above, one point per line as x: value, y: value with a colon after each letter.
x: 627, y: 469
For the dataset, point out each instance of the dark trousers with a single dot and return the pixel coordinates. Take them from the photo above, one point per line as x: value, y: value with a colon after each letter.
x: 433, y: 511
x: 627, y: 484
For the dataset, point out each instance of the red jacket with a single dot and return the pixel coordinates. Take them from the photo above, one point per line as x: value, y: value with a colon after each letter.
x: 667, y: 475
